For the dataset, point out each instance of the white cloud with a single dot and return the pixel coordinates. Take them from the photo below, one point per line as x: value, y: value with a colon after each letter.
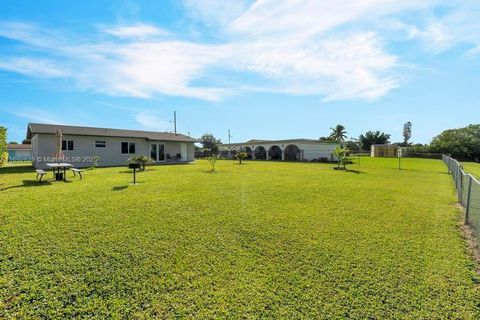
x: 214, y: 12
x: 301, y: 18
x: 41, y: 68
x: 333, y: 49
x: 152, y: 122
x: 35, y: 115
x: 133, y: 67
x: 460, y: 26
x: 347, y: 67
x: 138, y: 31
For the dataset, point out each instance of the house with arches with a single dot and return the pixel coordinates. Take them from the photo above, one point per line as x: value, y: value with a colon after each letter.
x: 287, y: 150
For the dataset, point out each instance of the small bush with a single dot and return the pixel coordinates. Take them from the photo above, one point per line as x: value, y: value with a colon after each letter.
x: 3, y: 146
x: 3, y: 159
x: 142, y: 160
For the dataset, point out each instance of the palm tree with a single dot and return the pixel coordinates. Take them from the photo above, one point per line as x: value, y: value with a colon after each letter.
x: 338, y: 133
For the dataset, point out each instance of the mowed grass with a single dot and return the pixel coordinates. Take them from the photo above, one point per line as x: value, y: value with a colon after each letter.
x: 259, y: 240
x: 472, y: 168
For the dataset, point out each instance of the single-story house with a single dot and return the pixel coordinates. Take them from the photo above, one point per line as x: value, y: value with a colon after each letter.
x: 19, y: 152
x: 289, y: 149
x: 111, y: 147
x: 387, y: 150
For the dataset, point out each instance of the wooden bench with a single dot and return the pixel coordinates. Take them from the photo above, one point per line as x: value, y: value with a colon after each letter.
x: 40, y: 173
x: 75, y: 171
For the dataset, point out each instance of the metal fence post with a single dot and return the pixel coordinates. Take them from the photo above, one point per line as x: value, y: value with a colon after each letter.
x: 460, y: 186
x: 469, y: 192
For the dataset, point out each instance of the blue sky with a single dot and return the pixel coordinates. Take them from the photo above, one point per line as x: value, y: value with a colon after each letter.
x: 267, y: 69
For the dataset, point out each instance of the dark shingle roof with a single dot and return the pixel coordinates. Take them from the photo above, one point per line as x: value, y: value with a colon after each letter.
x: 34, y: 128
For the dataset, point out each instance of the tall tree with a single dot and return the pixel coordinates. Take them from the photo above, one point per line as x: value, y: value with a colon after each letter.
x: 353, y: 145
x: 462, y: 143
x: 407, y: 133
x: 210, y: 143
x: 373, y: 137
x: 338, y: 133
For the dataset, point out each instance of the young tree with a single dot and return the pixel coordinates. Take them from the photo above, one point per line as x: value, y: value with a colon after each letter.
x: 212, y: 160
x: 338, y: 133
x: 407, y: 133
x: 342, y: 156
x: 240, y: 156
x: 373, y: 137
x: 210, y: 143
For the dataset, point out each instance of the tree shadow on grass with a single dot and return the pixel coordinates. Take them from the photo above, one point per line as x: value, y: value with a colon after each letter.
x: 138, y: 171
x: 119, y: 188
x: 28, y: 183
x: 16, y: 169
x: 355, y: 171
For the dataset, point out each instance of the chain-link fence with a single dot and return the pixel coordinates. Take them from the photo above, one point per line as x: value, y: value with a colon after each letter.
x: 468, y: 192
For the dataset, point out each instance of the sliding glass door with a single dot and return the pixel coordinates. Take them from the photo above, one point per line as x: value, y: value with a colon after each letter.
x: 157, y: 152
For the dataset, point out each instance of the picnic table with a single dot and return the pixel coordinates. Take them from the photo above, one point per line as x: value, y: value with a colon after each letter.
x: 57, y: 168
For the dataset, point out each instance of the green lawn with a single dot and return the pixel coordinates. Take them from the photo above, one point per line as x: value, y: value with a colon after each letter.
x: 472, y: 167
x: 259, y: 240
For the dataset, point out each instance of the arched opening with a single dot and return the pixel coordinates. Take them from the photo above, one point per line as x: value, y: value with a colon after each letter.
x: 260, y: 153
x: 292, y: 153
x: 249, y: 152
x: 275, y: 153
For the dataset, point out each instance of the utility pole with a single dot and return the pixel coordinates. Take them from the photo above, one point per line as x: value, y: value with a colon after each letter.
x: 229, y: 146
x: 399, y: 155
x: 175, y: 121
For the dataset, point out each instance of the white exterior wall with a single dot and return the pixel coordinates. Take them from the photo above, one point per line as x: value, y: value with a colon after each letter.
x: 43, y: 147
x: 314, y: 151
x: 309, y: 151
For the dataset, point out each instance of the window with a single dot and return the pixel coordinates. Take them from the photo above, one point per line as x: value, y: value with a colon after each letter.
x: 67, y: 145
x: 100, y: 143
x: 128, y: 147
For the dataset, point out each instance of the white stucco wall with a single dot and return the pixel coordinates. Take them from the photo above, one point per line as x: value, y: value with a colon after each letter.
x: 309, y: 151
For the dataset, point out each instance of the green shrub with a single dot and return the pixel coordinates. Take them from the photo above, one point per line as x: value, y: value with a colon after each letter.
x: 142, y: 160
x: 3, y: 146
x: 3, y: 159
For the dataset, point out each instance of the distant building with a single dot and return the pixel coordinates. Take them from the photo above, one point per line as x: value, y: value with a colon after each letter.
x: 387, y: 150
x: 19, y: 152
x: 289, y: 150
